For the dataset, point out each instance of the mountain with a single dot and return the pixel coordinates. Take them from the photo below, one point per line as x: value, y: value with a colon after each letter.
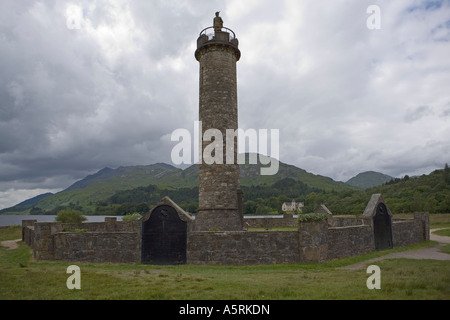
x: 131, y: 175
x: 104, y: 174
x: 112, y: 190
x: 25, y: 206
x: 95, y: 189
x: 426, y: 193
x: 35, y: 200
x: 369, y: 179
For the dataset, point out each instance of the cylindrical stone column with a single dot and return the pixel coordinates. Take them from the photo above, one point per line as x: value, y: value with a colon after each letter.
x: 218, y: 181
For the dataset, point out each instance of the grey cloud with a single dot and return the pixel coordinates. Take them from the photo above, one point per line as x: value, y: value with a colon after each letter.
x: 446, y: 113
x: 74, y: 101
x: 417, y: 113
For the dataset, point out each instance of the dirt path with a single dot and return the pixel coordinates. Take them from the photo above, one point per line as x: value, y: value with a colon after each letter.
x: 10, y: 244
x: 440, y: 239
x: 432, y: 253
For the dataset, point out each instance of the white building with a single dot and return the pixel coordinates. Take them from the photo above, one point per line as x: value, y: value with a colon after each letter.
x: 292, y: 206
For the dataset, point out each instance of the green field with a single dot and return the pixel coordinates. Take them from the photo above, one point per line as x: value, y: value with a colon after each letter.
x: 23, y: 278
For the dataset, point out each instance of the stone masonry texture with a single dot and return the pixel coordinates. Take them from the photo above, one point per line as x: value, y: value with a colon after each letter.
x: 311, y: 242
x: 218, y: 182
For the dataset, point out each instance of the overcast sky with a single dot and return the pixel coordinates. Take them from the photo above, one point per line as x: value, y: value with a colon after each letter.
x: 89, y: 84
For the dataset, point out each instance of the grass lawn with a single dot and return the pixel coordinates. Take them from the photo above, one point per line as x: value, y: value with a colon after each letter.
x: 443, y: 232
x: 23, y: 278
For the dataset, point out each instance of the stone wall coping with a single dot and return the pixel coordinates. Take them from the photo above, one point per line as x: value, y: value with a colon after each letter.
x: 225, y: 233
x: 97, y: 232
x: 371, y: 208
x: 166, y: 201
x: 280, y: 216
x: 349, y: 227
x: 403, y: 220
x: 43, y: 223
x: 347, y: 216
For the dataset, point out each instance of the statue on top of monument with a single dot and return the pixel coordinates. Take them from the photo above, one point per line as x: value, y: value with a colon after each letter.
x: 218, y: 22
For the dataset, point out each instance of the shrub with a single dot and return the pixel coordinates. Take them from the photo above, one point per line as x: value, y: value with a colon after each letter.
x: 312, y: 217
x: 70, y: 216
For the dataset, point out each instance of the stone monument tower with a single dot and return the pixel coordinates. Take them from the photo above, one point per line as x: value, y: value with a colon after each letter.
x: 220, y: 199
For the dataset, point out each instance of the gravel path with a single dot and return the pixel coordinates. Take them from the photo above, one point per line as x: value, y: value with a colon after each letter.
x: 10, y: 244
x: 432, y: 253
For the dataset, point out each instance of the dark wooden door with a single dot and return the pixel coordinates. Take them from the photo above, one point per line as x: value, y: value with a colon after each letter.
x: 382, y: 228
x: 164, y: 237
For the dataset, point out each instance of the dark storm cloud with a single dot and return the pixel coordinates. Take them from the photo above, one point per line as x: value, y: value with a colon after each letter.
x: 106, y: 93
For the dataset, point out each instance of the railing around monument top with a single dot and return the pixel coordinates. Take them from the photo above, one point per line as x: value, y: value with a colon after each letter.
x: 210, y: 31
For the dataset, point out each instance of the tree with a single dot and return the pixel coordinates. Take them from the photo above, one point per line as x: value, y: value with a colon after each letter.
x: 36, y: 211
x: 70, y: 216
x: 447, y: 174
x: 311, y: 202
x: 263, y: 210
x: 190, y: 207
x: 142, y: 208
x: 250, y: 207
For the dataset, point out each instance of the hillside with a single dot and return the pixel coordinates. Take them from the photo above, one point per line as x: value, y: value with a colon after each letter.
x: 369, y: 179
x: 130, y: 189
x: 259, y: 199
x: 97, y: 188
x: 427, y: 193
x: 25, y: 206
x: 430, y: 193
x: 35, y: 200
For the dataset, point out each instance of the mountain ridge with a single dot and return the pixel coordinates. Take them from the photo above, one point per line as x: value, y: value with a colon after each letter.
x: 122, y: 194
x: 369, y: 179
x: 97, y: 187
